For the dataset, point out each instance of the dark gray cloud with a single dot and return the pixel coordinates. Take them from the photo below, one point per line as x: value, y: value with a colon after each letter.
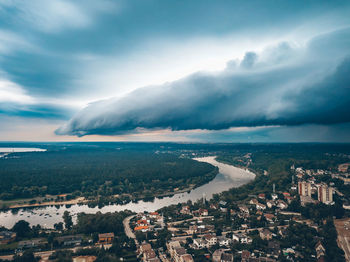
x: 310, y: 87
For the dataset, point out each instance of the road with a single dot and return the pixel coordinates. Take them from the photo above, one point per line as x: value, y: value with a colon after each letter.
x: 343, y: 240
x: 187, y: 220
x: 183, y: 238
x: 128, y: 230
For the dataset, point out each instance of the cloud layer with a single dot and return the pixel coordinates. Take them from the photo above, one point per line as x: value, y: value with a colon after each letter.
x: 282, y: 85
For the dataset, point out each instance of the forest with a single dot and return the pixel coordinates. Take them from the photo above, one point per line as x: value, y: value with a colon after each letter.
x: 98, y: 170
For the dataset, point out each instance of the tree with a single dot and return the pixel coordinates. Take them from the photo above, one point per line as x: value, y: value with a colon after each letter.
x: 22, y: 228
x: 58, y: 226
x: 27, y: 256
x: 67, y: 218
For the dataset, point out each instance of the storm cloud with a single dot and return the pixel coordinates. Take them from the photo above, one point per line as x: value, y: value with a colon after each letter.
x: 282, y: 85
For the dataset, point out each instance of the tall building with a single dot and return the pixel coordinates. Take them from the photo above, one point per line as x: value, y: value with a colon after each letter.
x: 325, y: 194
x: 304, y: 188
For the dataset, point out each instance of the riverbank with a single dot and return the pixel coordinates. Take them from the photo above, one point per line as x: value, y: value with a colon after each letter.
x: 114, y: 199
x: 227, y: 178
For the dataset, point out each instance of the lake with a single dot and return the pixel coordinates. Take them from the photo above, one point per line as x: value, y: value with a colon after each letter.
x: 20, y: 149
x: 228, y: 177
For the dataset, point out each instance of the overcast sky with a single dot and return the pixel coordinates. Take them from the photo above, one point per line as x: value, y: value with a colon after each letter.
x: 207, y: 71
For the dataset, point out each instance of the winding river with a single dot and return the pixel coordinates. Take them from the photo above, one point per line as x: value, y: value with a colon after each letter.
x: 228, y: 177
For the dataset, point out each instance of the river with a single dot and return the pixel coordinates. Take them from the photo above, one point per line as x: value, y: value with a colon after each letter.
x: 228, y: 177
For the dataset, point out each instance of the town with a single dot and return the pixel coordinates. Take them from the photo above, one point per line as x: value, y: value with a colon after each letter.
x: 296, y: 224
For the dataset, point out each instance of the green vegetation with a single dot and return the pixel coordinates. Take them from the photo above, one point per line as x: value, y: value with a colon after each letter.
x: 89, y: 171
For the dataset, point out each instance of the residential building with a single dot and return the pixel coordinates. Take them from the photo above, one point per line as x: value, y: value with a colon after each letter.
x: 145, y: 247
x: 219, y: 255
x: 224, y: 241
x: 186, y: 258
x: 270, y: 203
x: 304, y: 188
x: 260, y: 206
x: 70, y: 240
x: 171, y: 246
x: 325, y: 194
x: 84, y: 259
x: 199, y: 243
x: 242, y: 238
x: 281, y: 204
x: 265, y: 234
x: 31, y: 243
x: 320, y: 250
x: 106, y: 238
x: 178, y: 252
x: 211, y: 239
x: 141, y: 228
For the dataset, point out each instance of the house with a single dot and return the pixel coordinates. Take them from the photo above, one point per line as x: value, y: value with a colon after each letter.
x: 265, y: 234
x: 200, y: 212
x: 253, y: 201
x: 224, y: 241
x: 7, y: 237
x: 32, y: 243
x: 286, y: 194
x: 242, y: 238
x: 281, y: 204
x: 199, y: 243
x: 142, y: 222
x: 211, y: 239
x: 149, y: 255
x: 223, y: 206
x: 178, y: 252
x: 219, y: 255
x: 270, y: 203
x: 106, y: 238
x: 261, y: 196
x: 153, y: 214
x: 186, y: 258
x: 171, y: 246
x: 320, y: 250
x: 70, y: 240
x: 141, y: 228
x: 260, y: 206
x: 274, y: 196
x: 84, y: 259
x: 145, y: 247
x: 269, y: 217
x: 244, y: 209
x: 203, y: 212
x: 185, y: 210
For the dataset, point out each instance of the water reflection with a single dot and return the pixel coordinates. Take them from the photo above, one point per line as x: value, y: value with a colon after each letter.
x: 228, y: 177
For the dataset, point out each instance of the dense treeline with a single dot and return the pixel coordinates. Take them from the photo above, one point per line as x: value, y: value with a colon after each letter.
x: 97, y: 171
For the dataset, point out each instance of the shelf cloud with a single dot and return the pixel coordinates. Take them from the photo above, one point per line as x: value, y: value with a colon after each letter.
x: 282, y: 85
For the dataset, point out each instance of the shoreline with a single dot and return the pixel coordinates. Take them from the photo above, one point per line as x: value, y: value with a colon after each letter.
x: 81, y: 200
x: 228, y: 177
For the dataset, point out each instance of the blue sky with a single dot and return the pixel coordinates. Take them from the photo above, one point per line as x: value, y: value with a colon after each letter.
x: 240, y: 71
